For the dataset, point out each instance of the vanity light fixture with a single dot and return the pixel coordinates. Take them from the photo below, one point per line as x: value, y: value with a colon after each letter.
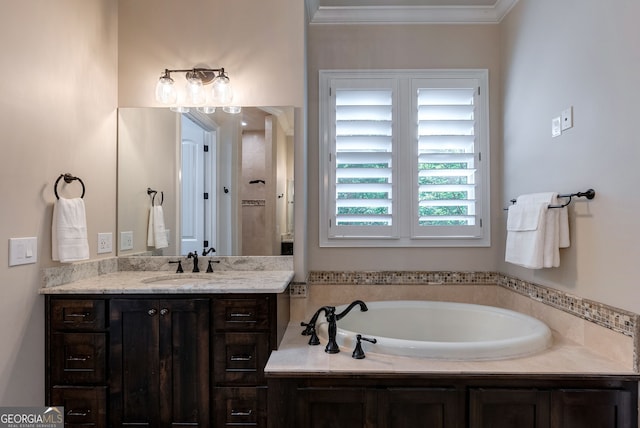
x: 195, y: 94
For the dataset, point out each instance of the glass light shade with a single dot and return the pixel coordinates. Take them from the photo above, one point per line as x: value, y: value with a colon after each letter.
x: 207, y: 109
x: 221, y: 91
x: 166, y: 90
x: 195, y: 91
x: 180, y: 109
x: 232, y: 109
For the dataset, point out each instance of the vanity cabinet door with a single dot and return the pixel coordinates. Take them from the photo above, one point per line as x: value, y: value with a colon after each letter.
x: 336, y: 408
x: 421, y: 408
x: 159, y: 362
x: 593, y: 408
x: 509, y: 408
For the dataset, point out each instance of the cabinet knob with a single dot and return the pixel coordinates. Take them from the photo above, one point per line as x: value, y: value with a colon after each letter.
x: 164, y: 311
x: 152, y: 312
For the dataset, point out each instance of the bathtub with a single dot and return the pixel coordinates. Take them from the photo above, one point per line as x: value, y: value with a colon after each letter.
x: 441, y: 330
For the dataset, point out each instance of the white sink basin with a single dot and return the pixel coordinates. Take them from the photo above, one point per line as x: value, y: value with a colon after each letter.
x: 181, y: 279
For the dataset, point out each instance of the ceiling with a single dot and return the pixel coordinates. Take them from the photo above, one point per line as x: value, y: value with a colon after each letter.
x: 407, y: 11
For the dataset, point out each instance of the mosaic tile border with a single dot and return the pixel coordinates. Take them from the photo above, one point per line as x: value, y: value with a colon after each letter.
x: 615, y: 319
x: 401, y: 277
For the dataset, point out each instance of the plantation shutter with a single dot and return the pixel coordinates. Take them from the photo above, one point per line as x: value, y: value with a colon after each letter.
x: 447, y: 158
x: 404, y: 158
x: 363, y: 159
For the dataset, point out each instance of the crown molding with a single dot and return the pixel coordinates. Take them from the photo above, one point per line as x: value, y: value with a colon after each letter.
x: 408, y: 14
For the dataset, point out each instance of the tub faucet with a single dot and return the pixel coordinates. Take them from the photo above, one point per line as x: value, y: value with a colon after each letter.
x: 194, y: 256
x: 332, y: 318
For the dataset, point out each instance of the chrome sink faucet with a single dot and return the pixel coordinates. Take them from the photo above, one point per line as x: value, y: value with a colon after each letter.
x: 332, y: 318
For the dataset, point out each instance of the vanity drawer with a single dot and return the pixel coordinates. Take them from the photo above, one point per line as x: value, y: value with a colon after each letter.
x: 78, y: 358
x: 83, y: 406
x: 241, y: 314
x: 77, y: 314
x: 240, y: 357
x: 240, y: 407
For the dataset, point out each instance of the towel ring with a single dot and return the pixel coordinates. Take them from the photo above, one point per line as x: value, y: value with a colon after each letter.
x: 150, y: 192
x: 68, y: 178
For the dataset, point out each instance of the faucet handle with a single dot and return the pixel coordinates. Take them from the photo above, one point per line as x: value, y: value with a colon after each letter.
x: 310, y: 330
x: 209, y: 267
x: 179, y: 270
x: 358, y: 352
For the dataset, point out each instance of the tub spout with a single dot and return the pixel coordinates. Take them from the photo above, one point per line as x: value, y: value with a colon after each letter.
x: 363, y: 308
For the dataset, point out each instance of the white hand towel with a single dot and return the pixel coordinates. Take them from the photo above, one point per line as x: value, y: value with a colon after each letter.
x: 525, y: 234
x: 69, y: 231
x: 156, y: 233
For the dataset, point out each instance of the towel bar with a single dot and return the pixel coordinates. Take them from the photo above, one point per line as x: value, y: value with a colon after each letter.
x: 589, y: 194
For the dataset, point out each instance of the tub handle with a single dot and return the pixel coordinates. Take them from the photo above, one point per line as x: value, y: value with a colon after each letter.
x: 358, y: 353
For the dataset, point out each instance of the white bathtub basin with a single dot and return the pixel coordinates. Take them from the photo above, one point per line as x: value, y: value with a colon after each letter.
x: 442, y: 330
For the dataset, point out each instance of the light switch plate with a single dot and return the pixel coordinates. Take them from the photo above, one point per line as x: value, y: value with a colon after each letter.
x: 567, y: 118
x: 23, y: 251
x: 556, y: 126
x: 126, y: 240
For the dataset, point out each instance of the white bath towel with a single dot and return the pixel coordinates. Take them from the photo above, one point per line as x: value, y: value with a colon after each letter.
x: 553, y: 232
x: 69, y: 231
x: 156, y: 233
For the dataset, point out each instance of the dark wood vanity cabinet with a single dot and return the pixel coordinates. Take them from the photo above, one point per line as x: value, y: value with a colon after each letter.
x: 156, y: 361
x: 76, y: 360
x: 367, y: 401
x: 159, y: 362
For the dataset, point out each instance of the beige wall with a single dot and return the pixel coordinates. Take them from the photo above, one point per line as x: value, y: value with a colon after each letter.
x: 396, y: 46
x: 561, y: 54
x: 58, y: 115
x: 259, y: 43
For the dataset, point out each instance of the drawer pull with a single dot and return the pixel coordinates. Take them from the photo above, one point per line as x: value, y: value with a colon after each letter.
x: 240, y: 315
x: 79, y: 315
x: 152, y: 312
x: 78, y: 358
x: 164, y: 311
x: 242, y: 357
x: 241, y: 412
x: 81, y: 413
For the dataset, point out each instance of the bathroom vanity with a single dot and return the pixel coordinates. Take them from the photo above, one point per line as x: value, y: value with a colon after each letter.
x: 124, y: 349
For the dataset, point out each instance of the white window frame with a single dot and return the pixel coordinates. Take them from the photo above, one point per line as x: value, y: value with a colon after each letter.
x: 405, y: 231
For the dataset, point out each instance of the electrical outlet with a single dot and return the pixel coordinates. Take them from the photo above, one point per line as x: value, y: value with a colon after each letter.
x: 126, y: 240
x: 105, y: 243
x: 567, y: 118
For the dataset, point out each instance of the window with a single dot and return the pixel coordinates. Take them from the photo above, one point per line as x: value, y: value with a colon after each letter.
x: 404, y: 158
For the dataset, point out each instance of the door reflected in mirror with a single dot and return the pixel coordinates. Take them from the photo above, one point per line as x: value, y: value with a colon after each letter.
x: 225, y: 180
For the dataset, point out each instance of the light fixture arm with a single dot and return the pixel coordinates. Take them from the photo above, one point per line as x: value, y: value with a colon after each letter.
x: 205, y: 74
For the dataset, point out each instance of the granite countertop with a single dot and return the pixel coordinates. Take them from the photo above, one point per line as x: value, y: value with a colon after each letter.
x: 296, y: 358
x: 160, y: 282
